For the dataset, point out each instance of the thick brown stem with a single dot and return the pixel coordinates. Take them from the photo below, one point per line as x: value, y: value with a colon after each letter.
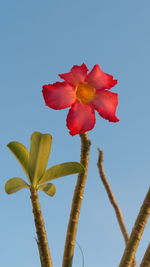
x: 146, y: 259
x: 113, y: 200
x: 136, y: 233
x: 40, y: 230
x: 76, y: 203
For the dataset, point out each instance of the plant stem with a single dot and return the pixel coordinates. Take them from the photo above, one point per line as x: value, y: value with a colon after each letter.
x: 112, y: 199
x: 40, y: 254
x: 111, y: 196
x: 136, y: 234
x: 76, y: 203
x: 146, y: 259
x: 40, y: 229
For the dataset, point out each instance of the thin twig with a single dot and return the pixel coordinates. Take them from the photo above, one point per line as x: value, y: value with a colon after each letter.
x: 136, y: 234
x: 81, y: 253
x: 146, y: 259
x: 112, y: 199
x: 111, y: 196
x: 76, y: 203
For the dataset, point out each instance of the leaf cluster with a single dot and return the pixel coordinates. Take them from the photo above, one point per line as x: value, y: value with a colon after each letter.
x: 34, y: 163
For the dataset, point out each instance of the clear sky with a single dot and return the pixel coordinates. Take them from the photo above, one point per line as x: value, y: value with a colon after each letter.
x: 39, y: 40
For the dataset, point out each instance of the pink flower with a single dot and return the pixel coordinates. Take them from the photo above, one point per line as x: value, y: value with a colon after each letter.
x: 84, y: 93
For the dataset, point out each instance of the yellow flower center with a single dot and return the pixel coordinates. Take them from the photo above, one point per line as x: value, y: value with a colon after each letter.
x: 85, y: 93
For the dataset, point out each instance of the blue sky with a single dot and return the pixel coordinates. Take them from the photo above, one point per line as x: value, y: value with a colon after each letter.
x: 39, y: 40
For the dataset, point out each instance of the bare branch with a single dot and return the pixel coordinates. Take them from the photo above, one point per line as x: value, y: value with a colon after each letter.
x: 136, y: 234
x: 146, y: 259
x: 112, y: 199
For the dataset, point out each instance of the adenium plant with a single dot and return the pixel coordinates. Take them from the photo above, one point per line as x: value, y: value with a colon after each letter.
x: 84, y: 93
x: 34, y: 163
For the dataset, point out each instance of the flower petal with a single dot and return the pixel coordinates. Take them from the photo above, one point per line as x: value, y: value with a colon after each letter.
x: 81, y: 118
x: 76, y: 75
x: 58, y: 95
x: 100, y: 80
x: 106, y: 103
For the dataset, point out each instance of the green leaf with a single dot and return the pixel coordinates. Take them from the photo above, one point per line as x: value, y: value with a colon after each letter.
x: 40, y: 147
x: 61, y: 170
x: 21, y: 153
x: 15, y: 184
x: 49, y: 189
